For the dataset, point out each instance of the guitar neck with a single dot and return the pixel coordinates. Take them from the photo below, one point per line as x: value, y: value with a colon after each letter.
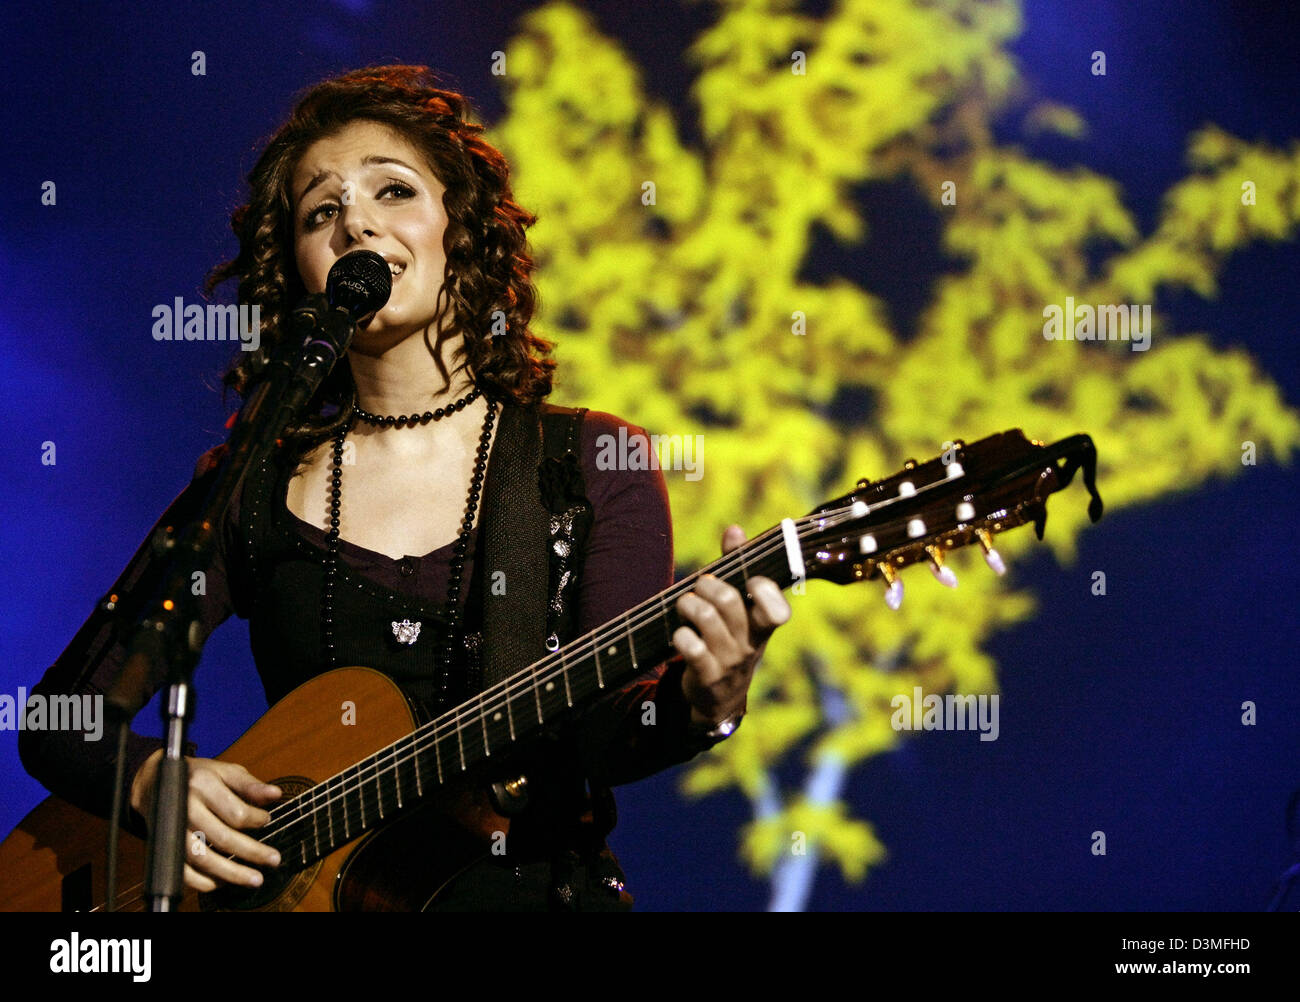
x: 508, y: 714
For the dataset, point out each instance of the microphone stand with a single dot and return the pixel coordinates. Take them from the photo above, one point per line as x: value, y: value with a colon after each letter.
x: 170, y: 634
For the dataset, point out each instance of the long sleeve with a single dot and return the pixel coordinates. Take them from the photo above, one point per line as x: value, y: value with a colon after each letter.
x: 65, y: 761
x: 645, y: 726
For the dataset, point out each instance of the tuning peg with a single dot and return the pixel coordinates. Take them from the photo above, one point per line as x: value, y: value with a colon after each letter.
x: 991, y: 556
x: 942, y: 574
x: 894, y: 587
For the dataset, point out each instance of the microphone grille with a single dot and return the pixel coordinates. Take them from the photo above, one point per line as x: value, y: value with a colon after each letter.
x: 360, y: 283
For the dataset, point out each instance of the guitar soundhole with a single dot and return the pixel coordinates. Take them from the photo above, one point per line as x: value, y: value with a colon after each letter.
x: 282, y: 888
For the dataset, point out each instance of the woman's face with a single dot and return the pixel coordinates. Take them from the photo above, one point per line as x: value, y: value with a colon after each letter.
x: 368, y: 188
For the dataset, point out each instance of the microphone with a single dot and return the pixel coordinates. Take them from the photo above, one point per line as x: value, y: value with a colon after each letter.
x: 358, y: 286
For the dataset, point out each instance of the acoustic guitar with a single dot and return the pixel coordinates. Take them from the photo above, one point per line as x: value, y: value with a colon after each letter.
x: 384, y: 814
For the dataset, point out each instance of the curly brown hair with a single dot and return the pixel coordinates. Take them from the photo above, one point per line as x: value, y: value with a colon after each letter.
x: 488, y: 260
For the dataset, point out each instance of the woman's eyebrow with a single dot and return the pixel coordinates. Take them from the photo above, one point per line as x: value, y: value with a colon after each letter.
x: 317, y: 179
x: 372, y: 160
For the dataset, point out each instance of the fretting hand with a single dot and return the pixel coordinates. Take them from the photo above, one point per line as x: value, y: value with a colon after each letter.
x: 727, y: 641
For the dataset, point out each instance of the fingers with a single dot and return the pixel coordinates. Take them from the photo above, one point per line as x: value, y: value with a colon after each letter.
x: 731, y: 630
x: 728, y: 636
x: 698, y: 657
x: 732, y: 537
x: 221, y: 783
x: 244, y: 783
x: 216, y: 813
x: 719, y: 656
x: 720, y: 618
x: 770, y: 608
x: 210, y: 852
x: 198, y: 881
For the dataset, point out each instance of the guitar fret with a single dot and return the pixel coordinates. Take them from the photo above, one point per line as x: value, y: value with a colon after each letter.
x: 460, y: 742
x: 419, y: 785
x: 302, y: 842
x: 343, y: 801
x: 379, y: 786
x: 600, y: 678
x: 315, y: 826
x: 482, y: 719
x: 631, y: 647
x: 564, y: 670
x: 663, y: 618
x: 437, y: 754
x: 397, y: 777
x: 292, y: 815
x: 361, y: 800
x: 510, y: 714
x: 329, y: 814
x: 537, y: 696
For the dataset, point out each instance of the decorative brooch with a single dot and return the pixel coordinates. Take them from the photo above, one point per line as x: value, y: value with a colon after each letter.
x: 406, y: 632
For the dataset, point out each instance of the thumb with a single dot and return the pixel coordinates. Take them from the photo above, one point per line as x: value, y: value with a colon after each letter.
x: 732, y: 538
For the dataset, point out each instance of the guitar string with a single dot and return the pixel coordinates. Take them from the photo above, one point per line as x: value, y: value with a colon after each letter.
x: 442, y: 727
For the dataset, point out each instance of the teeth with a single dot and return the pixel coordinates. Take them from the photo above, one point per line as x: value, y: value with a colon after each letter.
x: 396, y: 269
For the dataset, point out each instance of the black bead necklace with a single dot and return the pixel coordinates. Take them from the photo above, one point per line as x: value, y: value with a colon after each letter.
x: 407, y: 632
x: 425, y: 418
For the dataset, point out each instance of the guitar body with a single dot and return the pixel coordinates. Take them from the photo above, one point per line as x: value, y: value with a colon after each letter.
x: 54, y: 859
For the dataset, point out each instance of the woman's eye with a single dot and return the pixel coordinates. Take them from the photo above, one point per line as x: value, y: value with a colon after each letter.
x: 402, y: 190
x: 314, y: 219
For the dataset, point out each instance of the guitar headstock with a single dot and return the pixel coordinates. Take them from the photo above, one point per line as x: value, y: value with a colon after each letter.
x: 921, y: 513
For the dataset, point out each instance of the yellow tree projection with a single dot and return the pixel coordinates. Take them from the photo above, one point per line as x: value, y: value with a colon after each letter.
x: 669, y: 277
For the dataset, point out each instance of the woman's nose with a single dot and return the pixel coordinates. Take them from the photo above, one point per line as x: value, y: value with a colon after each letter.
x: 358, y: 222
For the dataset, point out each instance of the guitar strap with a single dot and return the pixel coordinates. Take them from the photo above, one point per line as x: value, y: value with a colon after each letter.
x: 514, y: 568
